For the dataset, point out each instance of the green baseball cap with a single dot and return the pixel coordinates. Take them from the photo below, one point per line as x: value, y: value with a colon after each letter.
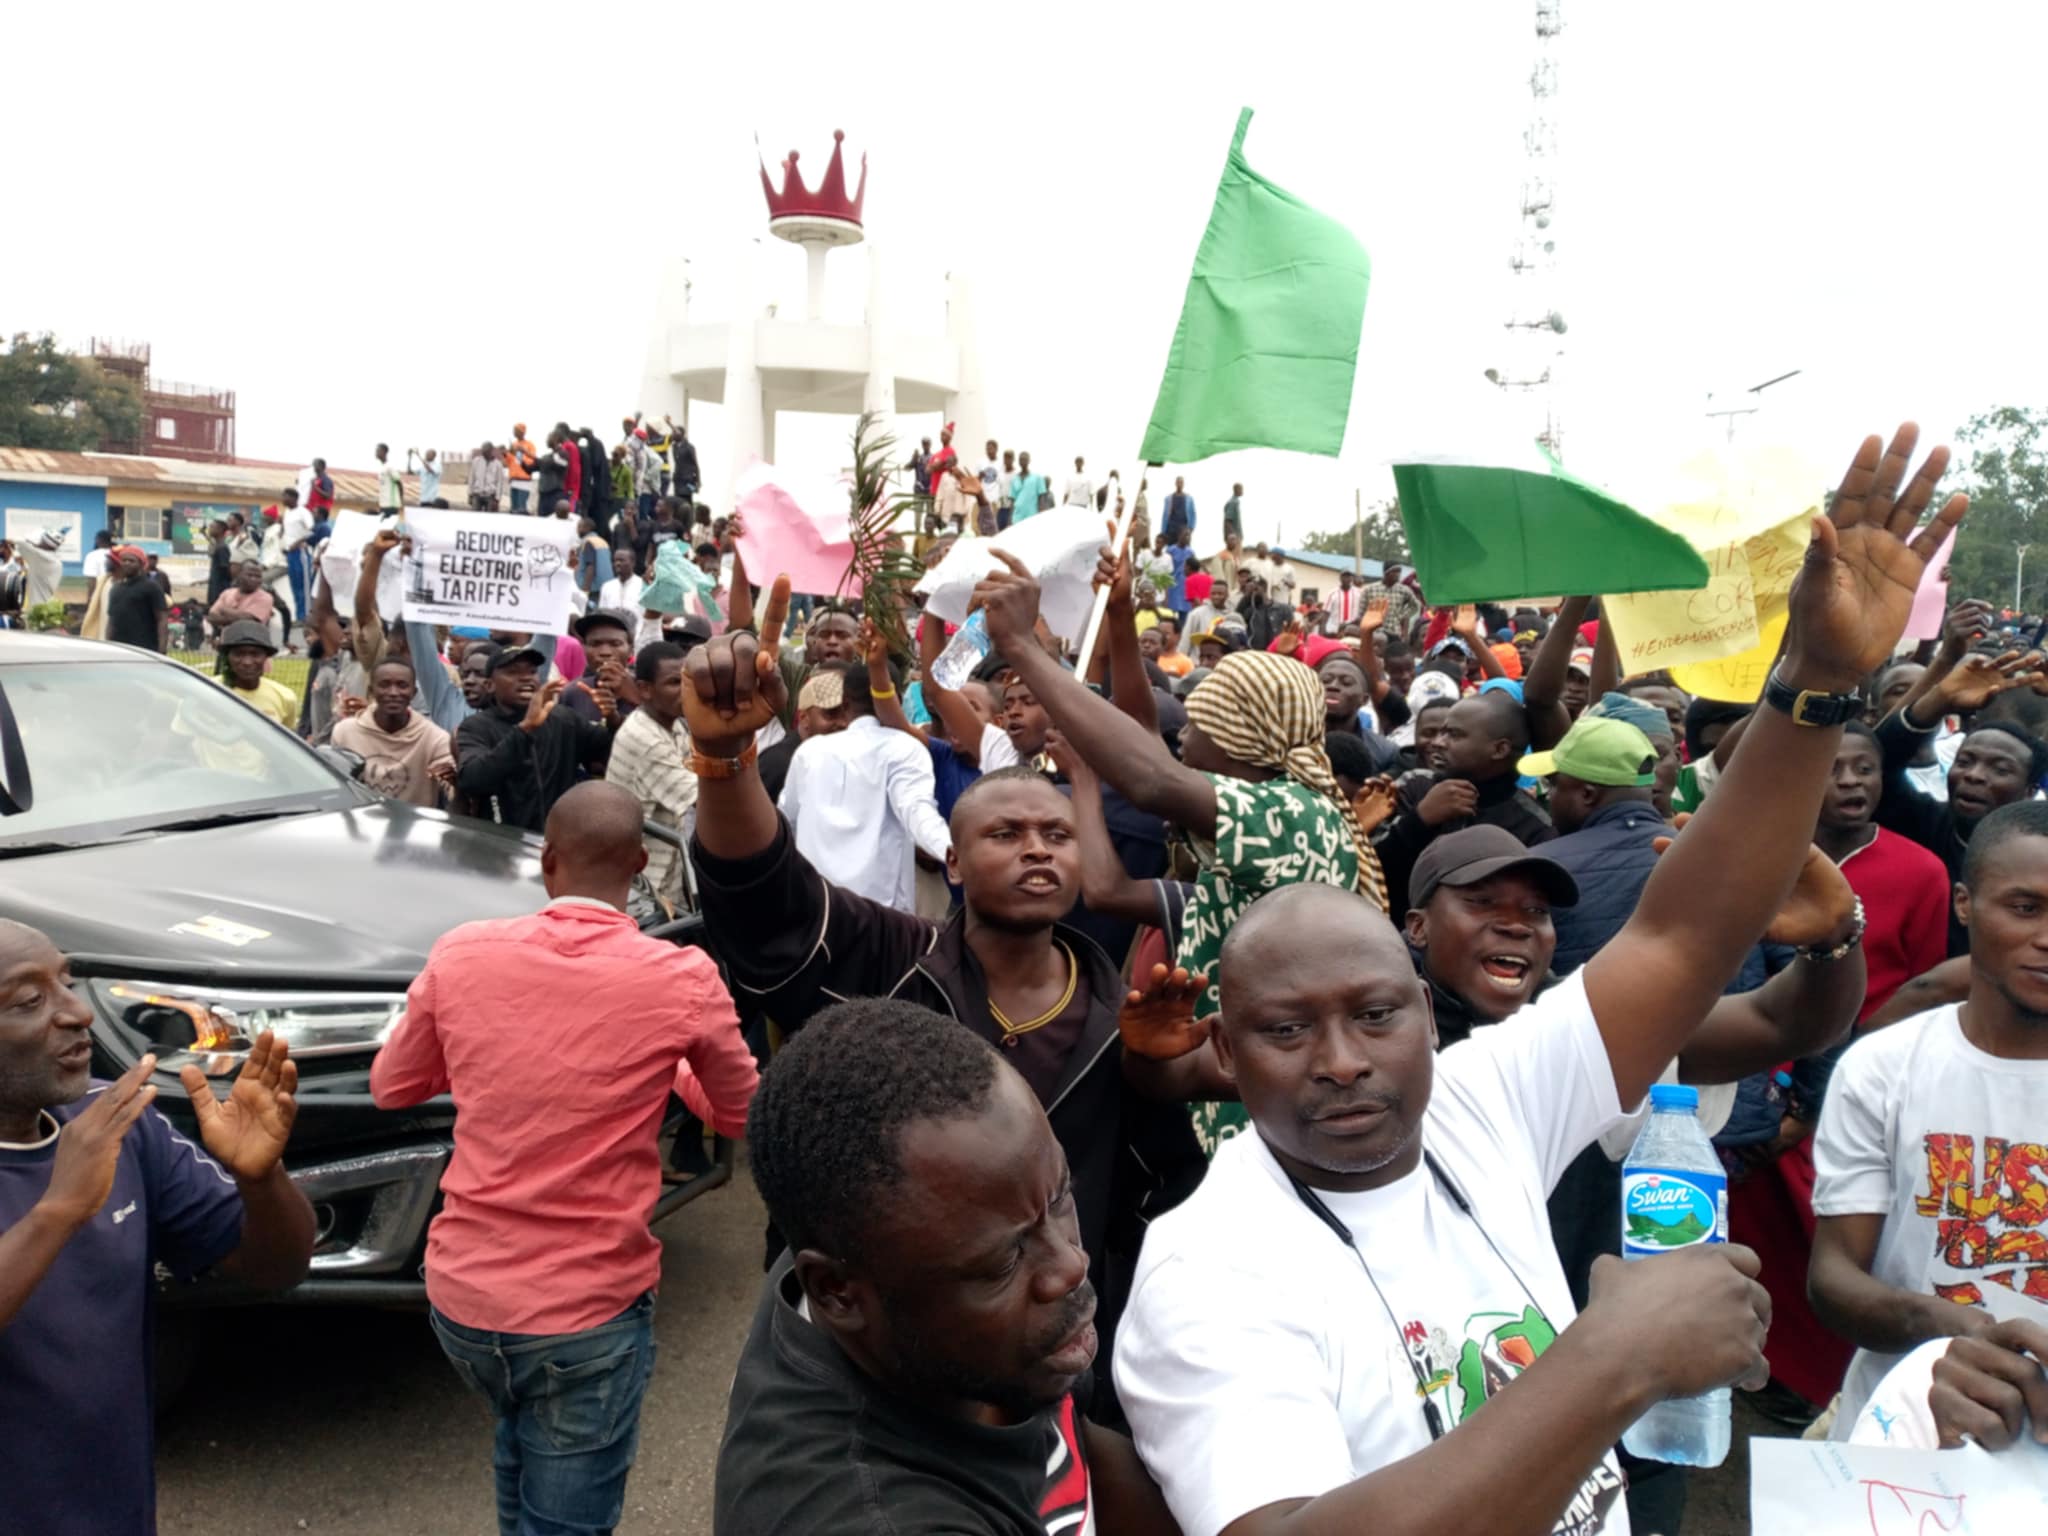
x: 1608, y: 752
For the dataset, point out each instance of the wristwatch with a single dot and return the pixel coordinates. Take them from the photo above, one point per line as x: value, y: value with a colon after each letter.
x: 721, y: 767
x: 1842, y: 950
x: 1808, y: 707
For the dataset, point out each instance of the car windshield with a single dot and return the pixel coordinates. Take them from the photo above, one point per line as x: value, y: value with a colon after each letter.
x: 119, y: 747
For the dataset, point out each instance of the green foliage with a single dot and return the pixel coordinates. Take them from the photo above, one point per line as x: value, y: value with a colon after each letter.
x: 46, y: 615
x: 51, y: 399
x: 882, y: 563
x: 2004, y: 461
x: 1380, y: 536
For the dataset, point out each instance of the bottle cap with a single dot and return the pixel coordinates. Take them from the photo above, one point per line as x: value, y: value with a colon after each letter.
x: 1674, y: 1096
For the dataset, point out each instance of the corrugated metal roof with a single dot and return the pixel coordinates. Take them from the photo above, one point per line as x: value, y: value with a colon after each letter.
x: 245, y: 480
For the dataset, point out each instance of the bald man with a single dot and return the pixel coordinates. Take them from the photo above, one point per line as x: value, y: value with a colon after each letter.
x: 1373, y: 1264
x: 561, y: 1036
x: 96, y: 1190
x: 1480, y: 744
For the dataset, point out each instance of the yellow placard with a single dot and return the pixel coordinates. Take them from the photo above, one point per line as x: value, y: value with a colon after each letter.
x: 1749, y: 519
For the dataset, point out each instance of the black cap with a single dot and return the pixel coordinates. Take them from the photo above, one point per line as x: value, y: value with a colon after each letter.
x: 1479, y: 853
x: 686, y: 629
x: 515, y: 655
x: 598, y: 617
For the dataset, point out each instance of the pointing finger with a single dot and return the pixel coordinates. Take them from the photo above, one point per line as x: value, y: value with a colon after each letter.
x: 1017, y: 567
x: 776, y: 615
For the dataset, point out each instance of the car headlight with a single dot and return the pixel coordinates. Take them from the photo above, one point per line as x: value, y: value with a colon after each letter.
x: 213, y: 1028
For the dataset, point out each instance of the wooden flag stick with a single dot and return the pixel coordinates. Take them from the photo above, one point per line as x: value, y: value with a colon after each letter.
x: 1118, y: 540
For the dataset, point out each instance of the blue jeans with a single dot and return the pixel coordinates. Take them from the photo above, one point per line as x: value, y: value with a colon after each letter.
x: 568, y: 1407
x: 519, y: 495
x: 295, y: 564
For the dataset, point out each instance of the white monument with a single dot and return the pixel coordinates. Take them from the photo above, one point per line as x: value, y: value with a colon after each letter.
x: 757, y: 362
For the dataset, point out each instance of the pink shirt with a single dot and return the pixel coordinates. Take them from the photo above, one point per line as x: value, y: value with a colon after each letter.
x: 560, y: 1036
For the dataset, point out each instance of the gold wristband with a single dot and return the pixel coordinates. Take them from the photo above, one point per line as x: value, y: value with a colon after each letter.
x: 888, y: 692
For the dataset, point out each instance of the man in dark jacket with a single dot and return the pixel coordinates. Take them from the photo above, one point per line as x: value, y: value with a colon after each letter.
x: 1480, y: 745
x: 516, y: 758
x: 1006, y: 966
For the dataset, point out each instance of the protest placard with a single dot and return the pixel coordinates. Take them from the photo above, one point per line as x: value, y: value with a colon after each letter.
x: 1822, y: 1488
x: 491, y: 570
x: 341, y: 563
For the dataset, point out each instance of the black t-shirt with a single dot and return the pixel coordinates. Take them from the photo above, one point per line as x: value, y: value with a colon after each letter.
x: 133, y: 608
x: 814, y: 1448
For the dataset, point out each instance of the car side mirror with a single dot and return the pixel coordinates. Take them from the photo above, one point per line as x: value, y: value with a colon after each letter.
x: 344, y: 762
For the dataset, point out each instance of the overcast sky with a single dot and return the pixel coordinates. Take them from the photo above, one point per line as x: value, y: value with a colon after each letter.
x: 419, y: 222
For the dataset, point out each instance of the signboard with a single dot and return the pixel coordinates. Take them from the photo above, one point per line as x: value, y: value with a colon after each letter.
x: 491, y: 570
x: 189, y: 519
x: 25, y: 526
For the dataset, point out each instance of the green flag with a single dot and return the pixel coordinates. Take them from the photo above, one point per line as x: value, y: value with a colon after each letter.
x: 1268, y: 337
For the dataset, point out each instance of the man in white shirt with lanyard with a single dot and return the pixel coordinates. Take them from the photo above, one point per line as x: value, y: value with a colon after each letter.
x: 1310, y: 1335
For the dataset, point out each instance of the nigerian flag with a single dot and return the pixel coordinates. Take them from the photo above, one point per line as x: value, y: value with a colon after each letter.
x: 1493, y: 516
x: 1268, y: 336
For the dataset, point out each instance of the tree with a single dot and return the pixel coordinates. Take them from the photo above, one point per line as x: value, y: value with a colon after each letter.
x: 2005, y: 470
x: 50, y: 398
x: 1380, y: 536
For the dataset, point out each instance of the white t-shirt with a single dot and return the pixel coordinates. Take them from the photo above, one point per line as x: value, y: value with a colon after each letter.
x: 94, y: 565
x: 298, y: 526
x: 1950, y: 1145
x: 622, y: 596
x: 1080, y: 492
x: 997, y: 750
x: 1253, y: 1358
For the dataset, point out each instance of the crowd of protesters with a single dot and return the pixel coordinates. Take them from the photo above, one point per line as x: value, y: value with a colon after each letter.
x: 1184, y: 1089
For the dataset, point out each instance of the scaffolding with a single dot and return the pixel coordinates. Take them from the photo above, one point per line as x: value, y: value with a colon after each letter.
x: 180, y: 421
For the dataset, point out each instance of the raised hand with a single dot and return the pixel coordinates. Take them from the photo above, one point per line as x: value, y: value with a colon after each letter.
x: 1692, y: 1322
x: 1009, y: 602
x: 732, y: 683
x: 1288, y: 641
x: 1373, y: 618
x: 1114, y: 571
x: 1966, y: 623
x: 543, y: 703
x: 89, y: 1147
x: 1465, y: 622
x: 1376, y: 802
x: 1158, y: 1022
x: 874, y: 645
x: 247, y: 1131
x: 1978, y: 679
x: 1073, y: 767
x: 1850, y: 601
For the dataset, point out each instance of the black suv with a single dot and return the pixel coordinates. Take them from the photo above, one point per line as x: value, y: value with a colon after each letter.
x: 211, y: 876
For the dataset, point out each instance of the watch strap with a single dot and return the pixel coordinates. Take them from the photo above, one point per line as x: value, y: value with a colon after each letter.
x: 1806, y: 706
x: 721, y: 767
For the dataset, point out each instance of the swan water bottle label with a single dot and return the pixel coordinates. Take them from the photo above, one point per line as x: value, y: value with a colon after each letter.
x: 1666, y: 1208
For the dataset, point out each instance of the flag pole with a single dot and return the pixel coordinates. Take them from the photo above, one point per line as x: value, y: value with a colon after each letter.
x: 1357, y: 537
x: 1118, y: 540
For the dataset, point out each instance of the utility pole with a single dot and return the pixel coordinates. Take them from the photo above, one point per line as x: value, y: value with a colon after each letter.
x: 1357, y: 535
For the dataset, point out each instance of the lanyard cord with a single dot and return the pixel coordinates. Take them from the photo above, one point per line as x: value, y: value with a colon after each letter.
x: 1308, y: 1197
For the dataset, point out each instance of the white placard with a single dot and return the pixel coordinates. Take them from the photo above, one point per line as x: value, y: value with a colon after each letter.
x: 24, y: 525
x: 1818, y: 1488
x: 341, y: 563
x: 492, y: 570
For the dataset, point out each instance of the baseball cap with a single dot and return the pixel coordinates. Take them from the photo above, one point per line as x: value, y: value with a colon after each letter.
x: 687, y: 629
x: 1599, y: 751
x: 515, y: 655
x: 1479, y: 853
x: 1582, y: 660
x: 598, y: 617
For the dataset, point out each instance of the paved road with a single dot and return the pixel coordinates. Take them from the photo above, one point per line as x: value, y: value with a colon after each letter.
x: 352, y: 1422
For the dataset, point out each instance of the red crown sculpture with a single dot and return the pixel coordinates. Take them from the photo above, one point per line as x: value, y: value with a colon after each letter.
x: 797, y: 207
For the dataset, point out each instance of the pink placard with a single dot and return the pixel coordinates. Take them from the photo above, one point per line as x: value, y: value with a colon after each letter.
x: 805, y: 539
x: 1930, y: 603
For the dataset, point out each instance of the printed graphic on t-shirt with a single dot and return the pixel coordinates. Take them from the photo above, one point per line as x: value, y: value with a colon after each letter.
x: 1490, y: 1350
x: 1065, y: 1508
x: 1990, y: 1206
x: 387, y: 775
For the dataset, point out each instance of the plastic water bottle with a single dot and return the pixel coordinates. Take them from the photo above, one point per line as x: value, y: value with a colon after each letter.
x: 963, y: 653
x: 1674, y: 1194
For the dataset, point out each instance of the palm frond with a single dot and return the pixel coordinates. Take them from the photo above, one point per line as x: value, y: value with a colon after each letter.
x: 885, y: 568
